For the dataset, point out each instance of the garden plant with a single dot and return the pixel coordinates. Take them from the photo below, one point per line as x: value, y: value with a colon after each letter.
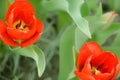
x: 59, y: 40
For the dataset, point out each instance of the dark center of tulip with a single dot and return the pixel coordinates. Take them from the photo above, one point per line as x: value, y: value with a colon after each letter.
x: 95, y: 71
x: 21, y: 25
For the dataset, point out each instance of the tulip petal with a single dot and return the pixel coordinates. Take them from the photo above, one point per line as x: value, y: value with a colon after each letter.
x: 7, y: 39
x: 31, y: 40
x: 21, y: 10
x: 106, y: 61
x: 88, y: 49
x: 106, y: 64
x: 4, y: 36
x: 103, y: 76
x: 24, y: 11
x: 40, y: 28
x: 116, y: 72
x: 87, y: 66
x: 84, y: 76
x: 111, y: 65
x: 18, y: 34
x: 18, y: 6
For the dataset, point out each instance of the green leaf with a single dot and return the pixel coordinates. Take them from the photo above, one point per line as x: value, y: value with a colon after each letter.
x: 114, y: 4
x: 39, y: 9
x: 99, y: 10
x: 117, y: 40
x: 82, y: 24
x: 64, y: 20
x: 52, y: 5
x: 15, y: 78
x: 95, y: 23
x: 35, y: 53
x: 72, y: 76
x: 74, y: 12
x: 98, y: 33
x: 115, y: 46
x: 3, y: 9
x: 92, y: 4
x: 3, y: 48
x: 16, y: 60
x: 101, y: 35
x: 72, y: 7
x: 85, y: 10
x: 66, y: 53
x: 80, y: 39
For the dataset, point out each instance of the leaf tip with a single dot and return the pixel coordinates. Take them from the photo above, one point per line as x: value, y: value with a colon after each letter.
x: 90, y: 37
x: 39, y: 74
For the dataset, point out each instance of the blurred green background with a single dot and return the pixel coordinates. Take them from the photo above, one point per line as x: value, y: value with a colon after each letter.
x: 57, y: 19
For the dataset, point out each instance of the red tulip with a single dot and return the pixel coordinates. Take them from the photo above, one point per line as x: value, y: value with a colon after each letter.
x: 95, y: 64
x: 22, y: 27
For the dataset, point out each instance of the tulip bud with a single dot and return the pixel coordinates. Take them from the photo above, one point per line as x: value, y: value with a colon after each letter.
x: 108, y: 18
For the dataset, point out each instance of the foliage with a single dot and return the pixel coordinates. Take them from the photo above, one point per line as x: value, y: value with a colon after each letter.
x: 68, y: 25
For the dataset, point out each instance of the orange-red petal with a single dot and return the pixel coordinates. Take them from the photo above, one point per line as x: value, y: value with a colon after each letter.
x: 87, y: 66
x: 88, y: 49
x: 40, y: 26
x: 84, y: 76
x: 24, y: 11
x: 36, y: 36
x: 106, y: 63
x: 103, y: 76
x: 19, y: 7
x: 18, y: 34
x: 8, y: 40
x: 31, y: 40
x: 21, y: 10
x: 116, y: 71
x: 107, y: 60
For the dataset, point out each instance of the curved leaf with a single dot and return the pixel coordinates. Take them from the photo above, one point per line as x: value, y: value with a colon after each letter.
x: 72, y: 7
x: 74, y: 12
x: 35, y: 53
x: 66, y: 53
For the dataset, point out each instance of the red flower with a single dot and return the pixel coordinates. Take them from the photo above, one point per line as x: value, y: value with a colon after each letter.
x: 22, y: 28
x: 94, y: 64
